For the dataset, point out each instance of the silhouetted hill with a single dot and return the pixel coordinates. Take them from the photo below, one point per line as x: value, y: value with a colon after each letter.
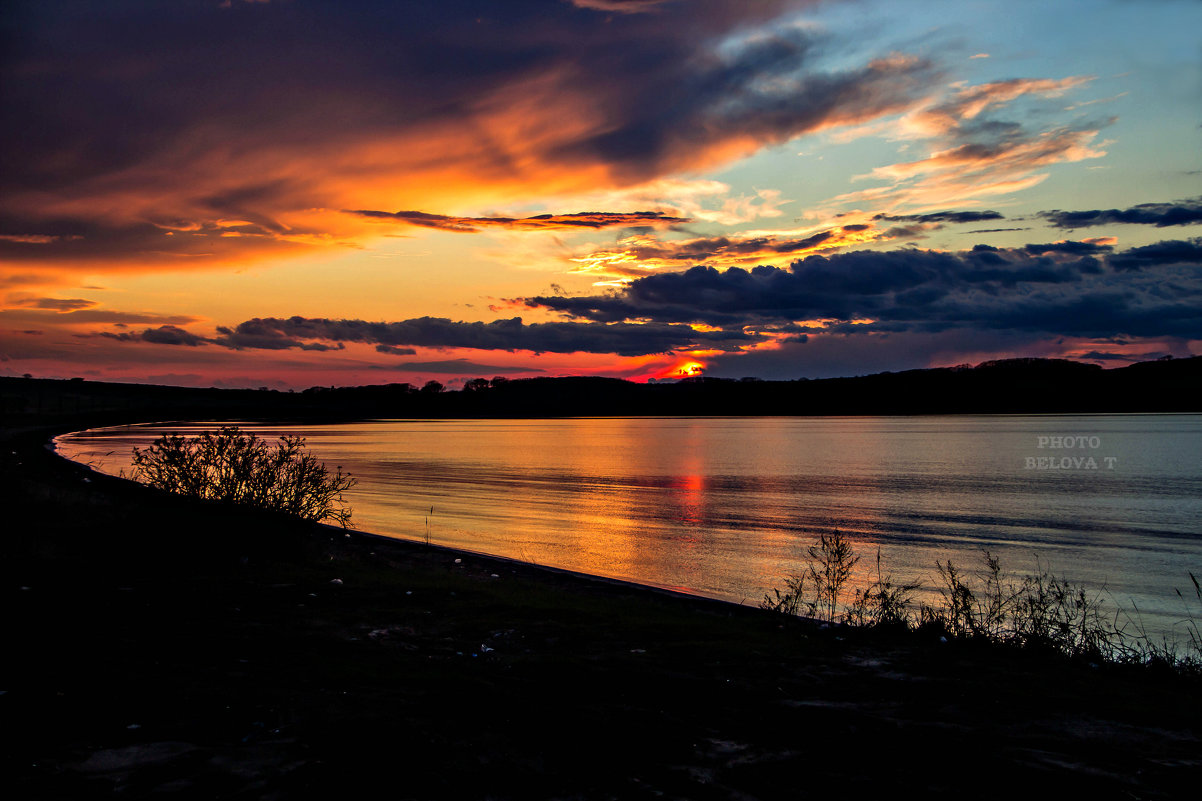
x: 996, y: 387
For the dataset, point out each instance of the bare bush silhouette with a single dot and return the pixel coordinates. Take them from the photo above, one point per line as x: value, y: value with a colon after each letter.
x: 238, y: 467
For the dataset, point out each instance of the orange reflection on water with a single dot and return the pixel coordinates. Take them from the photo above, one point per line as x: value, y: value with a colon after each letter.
x: 692, y: 497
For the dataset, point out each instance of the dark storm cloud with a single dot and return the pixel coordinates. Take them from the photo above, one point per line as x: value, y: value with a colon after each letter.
x: 626, y: 339
x: 1076, y: 289
x: 942, y: 217
x: 705, y: 108
x: 1159, y: 253
x: 550, y: 222
x: 168, y: 129
x: 843, y: 286
x: 1161, y: 215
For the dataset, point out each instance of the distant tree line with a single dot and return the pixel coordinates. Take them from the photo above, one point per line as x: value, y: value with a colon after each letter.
x: 998, y: 387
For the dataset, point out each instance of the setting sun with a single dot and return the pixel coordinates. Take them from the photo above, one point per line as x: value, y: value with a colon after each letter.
x: 688, y: 369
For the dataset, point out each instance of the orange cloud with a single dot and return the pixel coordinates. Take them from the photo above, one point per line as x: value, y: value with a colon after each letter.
x: 270, y: 145
x: 976, y: 170
x: 1005, y: 158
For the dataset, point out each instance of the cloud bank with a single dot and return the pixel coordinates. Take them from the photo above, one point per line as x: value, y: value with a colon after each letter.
x: 1060, y: 288
x: 624, y: 339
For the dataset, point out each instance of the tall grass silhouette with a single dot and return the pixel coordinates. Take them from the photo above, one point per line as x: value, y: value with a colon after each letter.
x: 1038, y: 611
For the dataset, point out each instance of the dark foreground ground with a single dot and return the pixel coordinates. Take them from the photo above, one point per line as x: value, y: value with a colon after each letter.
x: 157, y: 648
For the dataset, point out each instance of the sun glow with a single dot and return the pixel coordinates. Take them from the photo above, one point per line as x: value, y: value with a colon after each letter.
x: 688, y: 369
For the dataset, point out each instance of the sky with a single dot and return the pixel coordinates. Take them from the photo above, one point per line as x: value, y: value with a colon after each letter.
x: 296, y: 193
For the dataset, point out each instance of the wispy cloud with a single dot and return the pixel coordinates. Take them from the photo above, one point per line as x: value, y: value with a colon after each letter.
x: 974, y: 152
x: 63, y: 305
x: 464, y: 367
x: 539, y: 222
x: 955, y: 217
x: 29, y: 239
x: 621, y: 6
x: 93, y: 316
x: 393, y: 350
x: 965, y: 104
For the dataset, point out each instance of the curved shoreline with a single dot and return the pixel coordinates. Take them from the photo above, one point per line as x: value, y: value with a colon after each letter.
x: 368, y: 538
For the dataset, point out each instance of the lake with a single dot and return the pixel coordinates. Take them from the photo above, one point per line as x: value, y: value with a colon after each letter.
x: 726, y: 507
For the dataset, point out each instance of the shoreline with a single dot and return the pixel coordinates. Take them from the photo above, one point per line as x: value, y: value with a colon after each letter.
x: 162, y: 647
x: 368, y: 537
x: 1025, y: 519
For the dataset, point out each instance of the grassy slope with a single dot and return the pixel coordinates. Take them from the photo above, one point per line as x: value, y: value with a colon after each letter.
x: 165, y: 648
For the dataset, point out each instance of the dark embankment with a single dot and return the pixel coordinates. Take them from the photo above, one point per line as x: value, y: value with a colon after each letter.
x: 161, y: 648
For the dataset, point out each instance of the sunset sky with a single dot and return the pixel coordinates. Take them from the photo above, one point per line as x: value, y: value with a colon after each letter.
x: 291, y: 193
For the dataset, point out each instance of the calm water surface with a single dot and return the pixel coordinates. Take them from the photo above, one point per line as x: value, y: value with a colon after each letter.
x: 726, y: 507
